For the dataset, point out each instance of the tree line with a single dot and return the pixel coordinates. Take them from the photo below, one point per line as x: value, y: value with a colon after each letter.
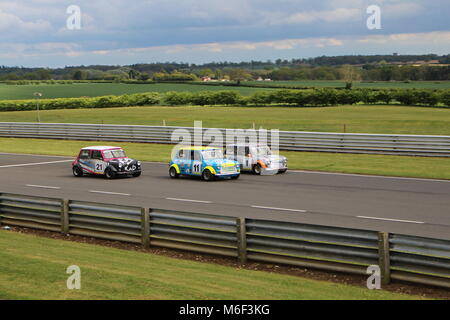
x: 367, y: 68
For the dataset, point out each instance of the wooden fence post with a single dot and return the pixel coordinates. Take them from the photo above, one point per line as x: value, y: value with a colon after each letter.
x: 242, y: 239
x: 65, y: 216
x: 384, y: 257
x: 145, y: 227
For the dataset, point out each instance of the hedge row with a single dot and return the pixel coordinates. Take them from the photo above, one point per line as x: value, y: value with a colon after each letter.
x: 127, y: 100
x: 314, y: 97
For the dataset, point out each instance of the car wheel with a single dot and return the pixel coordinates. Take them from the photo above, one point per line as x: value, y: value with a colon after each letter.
x: 77, y: 171
x: 282, y: 171
x: 137, y: 174
x: 257, y: 169
x: 207, y: 175
x: 173, y: 173
x: 235, y: 177
x: 109, y: 174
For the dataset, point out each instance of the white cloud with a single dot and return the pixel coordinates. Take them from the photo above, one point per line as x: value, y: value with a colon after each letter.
x: 11, y: 22
x: 424, y: 39
x: 336, y: 15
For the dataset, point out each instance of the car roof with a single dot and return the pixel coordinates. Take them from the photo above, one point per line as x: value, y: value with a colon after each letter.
x: 101, y: 148
x: 199, y: 148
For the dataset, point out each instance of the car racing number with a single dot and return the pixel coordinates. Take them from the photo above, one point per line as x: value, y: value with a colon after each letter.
x: 99, y: 167
x: 197, y: 167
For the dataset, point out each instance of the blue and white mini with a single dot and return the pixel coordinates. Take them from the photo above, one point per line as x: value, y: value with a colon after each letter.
x: 208, y: 163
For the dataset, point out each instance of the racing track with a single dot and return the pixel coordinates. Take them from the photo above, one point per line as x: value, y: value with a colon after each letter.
x: 409, y: 206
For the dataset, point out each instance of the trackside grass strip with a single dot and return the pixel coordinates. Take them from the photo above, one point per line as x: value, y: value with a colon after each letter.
x: 32, y: 267
x: 402, y: 166
x: 352, y: 119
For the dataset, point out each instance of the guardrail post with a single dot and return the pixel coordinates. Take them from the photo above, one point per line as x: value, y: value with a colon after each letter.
x: 65, y: 216
x: 241, y: 239
x: 145, y: 227
x: 384, y: 260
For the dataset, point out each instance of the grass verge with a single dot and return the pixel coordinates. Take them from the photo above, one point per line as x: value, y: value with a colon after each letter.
x: 356, y: 119
x: 402, y: 166
x: 34, y: 268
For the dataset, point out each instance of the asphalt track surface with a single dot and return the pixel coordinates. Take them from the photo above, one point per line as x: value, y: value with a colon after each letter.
x: 402, y: 205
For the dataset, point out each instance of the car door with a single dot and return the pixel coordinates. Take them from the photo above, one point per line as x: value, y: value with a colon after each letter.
x: 85, y: 161
x: 244, y: 157
x: 98, y: 162
x: 181, y: 161
x: 196, y: 167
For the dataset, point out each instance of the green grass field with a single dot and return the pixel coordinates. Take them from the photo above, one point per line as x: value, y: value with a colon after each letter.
x: 17, y: 92
x: 358, y: 84
x: 35, y: 268
x: 417, y: 167
x: 357, y: 119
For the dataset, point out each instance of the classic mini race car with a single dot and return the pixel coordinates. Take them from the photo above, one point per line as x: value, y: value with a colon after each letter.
x: 207, y: 162
x: 107, y: 161
x: 257, y: 158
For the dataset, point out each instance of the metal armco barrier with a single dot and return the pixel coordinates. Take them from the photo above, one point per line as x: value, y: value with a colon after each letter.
x: 400, y: 257
x: 414, y: 145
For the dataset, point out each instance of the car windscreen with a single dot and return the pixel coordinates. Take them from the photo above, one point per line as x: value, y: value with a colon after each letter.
x: 119, y: 153
x: 212, y: 154
x: 263, y: 151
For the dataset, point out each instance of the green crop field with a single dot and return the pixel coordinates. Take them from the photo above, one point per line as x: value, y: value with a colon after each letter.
x: 35, y: 268
x: 357, y: 84
x: 357, y: 119
x: 17, y: 92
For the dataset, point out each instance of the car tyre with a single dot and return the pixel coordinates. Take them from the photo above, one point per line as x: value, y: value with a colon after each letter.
x: 257, y: 169
x: 109, y: 174
x: 235, y: 177
x: 282, y: 171
x: 137, y: 174
x: 207, y: 175
x: 77, y: 171
x: 173, y: 174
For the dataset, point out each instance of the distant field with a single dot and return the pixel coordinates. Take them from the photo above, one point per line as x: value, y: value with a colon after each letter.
x: 35, y: 268
x: 341, y: 84
x: 17, y: 92
x: 357, y: 119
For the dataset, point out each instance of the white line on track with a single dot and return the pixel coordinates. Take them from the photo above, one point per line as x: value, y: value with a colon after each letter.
x: 33, y: 164
x: 393, y: 220
x: 43, y: 187
x: 188, y: 200
x: 279, y: 209
x: 368, y: 176
x: 111, y: 193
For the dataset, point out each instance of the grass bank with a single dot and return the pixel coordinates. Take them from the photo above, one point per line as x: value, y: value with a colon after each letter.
x: 35, y: 268
x: 402, y: 166
x: 354, y: 119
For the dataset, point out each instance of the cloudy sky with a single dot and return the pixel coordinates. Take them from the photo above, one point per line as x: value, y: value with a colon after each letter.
x: 35, y: 33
